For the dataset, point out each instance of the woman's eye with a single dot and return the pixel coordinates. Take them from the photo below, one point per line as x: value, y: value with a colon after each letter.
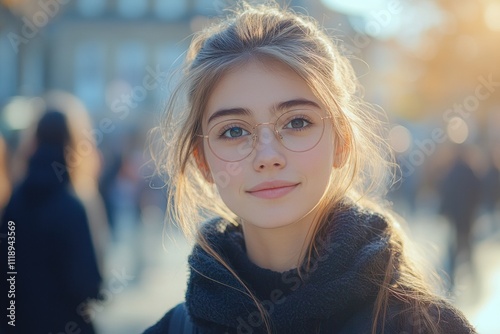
x: 234, y: 132
x: 297, y: 123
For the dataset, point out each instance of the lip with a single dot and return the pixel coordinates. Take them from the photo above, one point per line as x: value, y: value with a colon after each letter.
x: 272, y: 189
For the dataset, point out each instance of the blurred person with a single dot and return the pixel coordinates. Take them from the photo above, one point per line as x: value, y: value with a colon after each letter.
x: 83, y: 159
x: 404, y: 193
x: 131, y: 193
x: 84, y: 166
x: 279, y: 172
x: 491, y: 187
x: 460, y: 196
x: 112, y: 163
x: 55, y: 260
x: 128, y: 229
x: 5, y: 184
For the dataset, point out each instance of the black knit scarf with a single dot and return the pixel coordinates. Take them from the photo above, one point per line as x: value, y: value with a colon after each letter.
x: 343, y: 277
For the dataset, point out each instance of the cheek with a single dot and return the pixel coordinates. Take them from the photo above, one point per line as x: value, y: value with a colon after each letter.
x: 322, y: 156
x: 318, y: 163
x: 226, y: 175
x: 319, y: 167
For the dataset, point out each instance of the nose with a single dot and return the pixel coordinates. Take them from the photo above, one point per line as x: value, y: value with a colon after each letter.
x: 268, y: 151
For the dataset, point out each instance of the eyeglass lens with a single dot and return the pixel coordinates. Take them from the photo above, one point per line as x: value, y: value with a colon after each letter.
x: 234, y: 139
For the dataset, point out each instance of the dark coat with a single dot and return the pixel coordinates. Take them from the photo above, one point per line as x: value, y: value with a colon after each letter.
x: 460, y: 193
x: 335, y: 295
x: 54, y: 256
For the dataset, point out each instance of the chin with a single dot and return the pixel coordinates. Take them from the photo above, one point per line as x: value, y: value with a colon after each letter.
x: 274, y: 220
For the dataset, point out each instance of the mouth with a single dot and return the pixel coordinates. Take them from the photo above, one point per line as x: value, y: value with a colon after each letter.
x: 272, y: 191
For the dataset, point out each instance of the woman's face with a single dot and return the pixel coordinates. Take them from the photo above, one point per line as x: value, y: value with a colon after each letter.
x: 272, y: 186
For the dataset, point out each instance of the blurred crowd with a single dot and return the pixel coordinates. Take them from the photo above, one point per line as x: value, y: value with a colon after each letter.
x: 461, y: 184
x: 70, y: 202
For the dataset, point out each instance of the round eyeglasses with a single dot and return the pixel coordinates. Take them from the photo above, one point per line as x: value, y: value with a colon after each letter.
x: 234, y: 139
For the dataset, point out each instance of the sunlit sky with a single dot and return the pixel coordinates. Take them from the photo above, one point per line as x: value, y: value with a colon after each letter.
x: 354, y: 7
x: 388, y: 18
x: 364, y: 18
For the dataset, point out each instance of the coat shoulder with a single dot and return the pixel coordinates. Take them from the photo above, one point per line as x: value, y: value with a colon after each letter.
x: 162, y: 326
x: 443, y: 315
x: 452, y: 320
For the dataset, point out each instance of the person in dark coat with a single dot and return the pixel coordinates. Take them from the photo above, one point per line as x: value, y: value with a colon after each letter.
x: 265, y: 135
x: 55, y: 266
x: 460, y: 193
x: 491, y: 187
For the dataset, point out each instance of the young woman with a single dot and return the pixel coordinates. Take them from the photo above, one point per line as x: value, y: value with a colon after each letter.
x: 265, y: 135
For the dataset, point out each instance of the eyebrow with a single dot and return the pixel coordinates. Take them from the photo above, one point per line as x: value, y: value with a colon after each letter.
x: 277, y: 107
x: 228, y: 112
x: 296, y: 103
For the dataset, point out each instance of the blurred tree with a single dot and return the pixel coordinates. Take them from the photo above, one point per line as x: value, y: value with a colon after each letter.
x: 456, y: 56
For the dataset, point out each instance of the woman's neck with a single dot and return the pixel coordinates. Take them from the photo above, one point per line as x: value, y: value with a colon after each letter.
x: 278, y: 249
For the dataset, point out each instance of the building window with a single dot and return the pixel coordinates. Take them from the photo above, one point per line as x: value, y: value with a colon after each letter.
x: 131, y: 62
x: 170, y: 10
x: 8, y: 61
x: 130, y: 70
x: 169, y: 58
x: 91, y: 8
x: 208, y: 7
x: 32, y: 74
x: 90, y: 74
x: 132, y: 8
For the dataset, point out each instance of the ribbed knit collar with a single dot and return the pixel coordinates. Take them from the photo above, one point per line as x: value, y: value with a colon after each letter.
x: 344, y: 277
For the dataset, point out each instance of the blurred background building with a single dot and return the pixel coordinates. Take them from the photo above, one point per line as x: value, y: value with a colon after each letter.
x: 432, y: 65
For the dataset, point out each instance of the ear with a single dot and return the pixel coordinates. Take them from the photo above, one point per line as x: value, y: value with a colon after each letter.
x: 201, y: 163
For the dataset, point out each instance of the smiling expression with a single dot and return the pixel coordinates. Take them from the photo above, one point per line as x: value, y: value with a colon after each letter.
x: 272, y: 186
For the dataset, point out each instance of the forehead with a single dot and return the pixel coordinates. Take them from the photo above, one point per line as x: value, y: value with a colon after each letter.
x: 257, y: 86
